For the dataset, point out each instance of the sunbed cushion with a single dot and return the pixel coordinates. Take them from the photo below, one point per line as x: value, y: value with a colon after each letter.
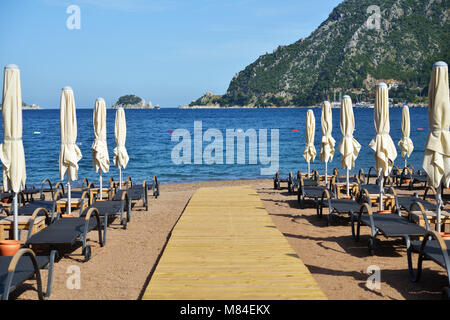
x: 392, y: 225
x: 314, y: 192
x: 30, y: 207
x: 406, y: 202
x: 344, y: 205
x: 62, y: 231
x: 108, y: 207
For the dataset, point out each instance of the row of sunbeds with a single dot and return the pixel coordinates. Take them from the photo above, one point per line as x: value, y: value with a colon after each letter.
x: 397, y: 222
x: 64, y: 234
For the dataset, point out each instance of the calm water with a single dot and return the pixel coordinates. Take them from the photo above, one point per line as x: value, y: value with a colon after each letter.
x: 149, y: 141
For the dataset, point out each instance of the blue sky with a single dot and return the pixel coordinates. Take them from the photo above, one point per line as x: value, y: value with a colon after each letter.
x: 170, y: 52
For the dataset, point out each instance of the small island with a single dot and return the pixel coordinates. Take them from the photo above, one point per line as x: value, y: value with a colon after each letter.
x: 25, y: 106
x: 132, y: 101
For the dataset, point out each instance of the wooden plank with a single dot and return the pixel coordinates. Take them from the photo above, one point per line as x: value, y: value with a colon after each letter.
x: 225, y: 246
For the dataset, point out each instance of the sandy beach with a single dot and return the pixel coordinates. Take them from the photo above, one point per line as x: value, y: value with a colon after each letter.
x: 123, y: 268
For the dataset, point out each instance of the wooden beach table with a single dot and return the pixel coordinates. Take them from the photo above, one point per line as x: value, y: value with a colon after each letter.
x: 388, y: 200
x: 417, y: 217
x: 7, y: 224
x: 341, y: 188
x: 226, y: 247
x: 93, y: 192
x: 61, y: 204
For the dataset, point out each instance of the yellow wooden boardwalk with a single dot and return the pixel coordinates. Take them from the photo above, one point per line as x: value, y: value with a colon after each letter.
x: 226, y: 247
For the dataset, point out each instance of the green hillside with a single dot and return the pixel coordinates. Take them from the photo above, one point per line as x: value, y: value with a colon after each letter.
x: 345, y: 55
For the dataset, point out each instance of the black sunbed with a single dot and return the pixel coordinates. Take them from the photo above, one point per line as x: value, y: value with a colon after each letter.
x: 25, y: 265
x: 308, y: 188
x: 341, y: 206
x: 405, y: 202
x: 134, y: 193
x: 417, y: 177
x: 154, y: 186
x: 289, y: 180
x: 365, y: 178
x: 29, y: 208
x: 68, y: 231
x: 109, y: 208
x: 387, y: 224
x: 433, y: 248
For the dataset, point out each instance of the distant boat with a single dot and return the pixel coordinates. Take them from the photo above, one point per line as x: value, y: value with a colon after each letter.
x: 157, y: 107
x: 335, y: 105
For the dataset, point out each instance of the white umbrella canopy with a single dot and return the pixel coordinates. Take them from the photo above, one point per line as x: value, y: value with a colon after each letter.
x: 349, y: 148
x: 328, y: 142
x: 310, y: 150
x: 385, y: 151
x: 120, y: 152
x: 100, y: 157
x: 70, y: 154
x: 436, y: 162
x: 11, y: 150
x: 406, y: 145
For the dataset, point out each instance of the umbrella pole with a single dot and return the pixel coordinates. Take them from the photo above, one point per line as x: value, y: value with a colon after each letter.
x: 120, y: 178
x: 381, y: 182
x: 348, y: 182
x: 16, y: 217
x: 406, y: 162
x: 69, y: 198
x: 438, y: 209
x: 309, y: 167
x: 101, y: 185
x: 326, y: 175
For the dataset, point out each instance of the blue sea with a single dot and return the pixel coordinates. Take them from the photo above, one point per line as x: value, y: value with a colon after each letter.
x: 150, y: 146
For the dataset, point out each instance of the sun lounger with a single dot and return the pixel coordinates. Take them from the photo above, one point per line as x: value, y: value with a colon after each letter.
x: 340, y: 206
x: 154, y: 186
x: 28, y: 209
x: 405, y: 202
x: 310, y: 190
x: 134, y: 193
x: 365, y: 178
x: 69, y: 231
x: 386, y: 224
x: 289, y: 180
x: 433, y: 248
x: 110, y: 208
x: 23, y: 266
x: 415, y: 178
x: 83, y: 185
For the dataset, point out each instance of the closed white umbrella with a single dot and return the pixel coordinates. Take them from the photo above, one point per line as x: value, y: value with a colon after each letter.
x: 385, y: 151
x: 11, y: 150
x: 70, y: 154
x: 100, y: 157
x: 349, y: 148
x: 328, y: 142
x: 120, y: 152
x: 406, y: 144
x: 310, y: 150
x: 436, y: 161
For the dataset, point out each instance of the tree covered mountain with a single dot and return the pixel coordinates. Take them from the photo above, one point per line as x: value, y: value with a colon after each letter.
x: 361, y: 42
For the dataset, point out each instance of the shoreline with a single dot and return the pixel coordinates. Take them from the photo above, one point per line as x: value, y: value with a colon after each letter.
x: 286, y: 107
